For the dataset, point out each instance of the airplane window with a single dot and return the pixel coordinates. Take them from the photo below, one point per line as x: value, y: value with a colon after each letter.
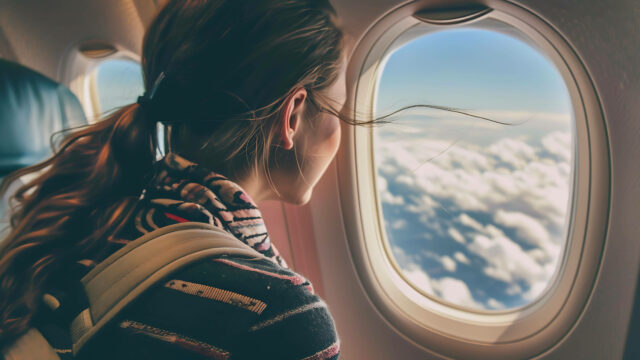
x: 476, y: 211
x: 118, y: 83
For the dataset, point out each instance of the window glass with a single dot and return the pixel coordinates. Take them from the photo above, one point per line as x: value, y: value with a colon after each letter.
x: 118, y: 83
x: 475, y: 212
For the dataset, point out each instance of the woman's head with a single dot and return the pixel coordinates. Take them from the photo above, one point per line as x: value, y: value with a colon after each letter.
x: 252, y: 88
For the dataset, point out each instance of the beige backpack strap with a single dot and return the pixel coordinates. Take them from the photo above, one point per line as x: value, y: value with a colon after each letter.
x: 123, y: 276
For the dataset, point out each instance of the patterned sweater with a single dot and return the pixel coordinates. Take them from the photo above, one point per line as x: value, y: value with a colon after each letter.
x: 227, y: 307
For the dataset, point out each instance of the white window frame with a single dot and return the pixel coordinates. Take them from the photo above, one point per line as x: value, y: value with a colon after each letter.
x: 449, y: 330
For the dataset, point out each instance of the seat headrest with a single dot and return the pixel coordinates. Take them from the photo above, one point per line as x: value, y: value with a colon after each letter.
x: 32, y: 108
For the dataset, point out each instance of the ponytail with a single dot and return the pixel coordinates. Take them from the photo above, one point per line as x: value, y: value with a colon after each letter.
x: 81, y: 198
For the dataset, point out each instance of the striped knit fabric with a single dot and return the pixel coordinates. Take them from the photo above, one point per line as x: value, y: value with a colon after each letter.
x: 227, y: 307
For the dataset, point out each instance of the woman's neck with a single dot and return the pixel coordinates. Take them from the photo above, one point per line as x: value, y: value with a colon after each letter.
x: 254, y: 188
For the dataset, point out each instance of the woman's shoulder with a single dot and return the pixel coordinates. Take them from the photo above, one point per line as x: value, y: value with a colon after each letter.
x: 245, y: 307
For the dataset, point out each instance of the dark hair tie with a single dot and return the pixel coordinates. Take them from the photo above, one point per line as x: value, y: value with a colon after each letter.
x: 147, y: 97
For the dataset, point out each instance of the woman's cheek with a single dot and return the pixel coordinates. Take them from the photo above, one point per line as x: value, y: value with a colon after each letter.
x: 332, y: 135
x: 327, y: 139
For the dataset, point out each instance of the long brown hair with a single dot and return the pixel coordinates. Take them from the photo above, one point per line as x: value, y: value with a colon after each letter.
x: 228, y: 67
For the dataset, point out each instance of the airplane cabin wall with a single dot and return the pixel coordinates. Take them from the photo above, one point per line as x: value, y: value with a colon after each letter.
x: 605, y: 35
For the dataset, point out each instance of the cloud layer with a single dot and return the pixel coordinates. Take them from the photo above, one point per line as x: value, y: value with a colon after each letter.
x: 483, y: 222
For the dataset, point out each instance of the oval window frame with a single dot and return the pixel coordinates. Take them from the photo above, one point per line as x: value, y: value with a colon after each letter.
x: 410, y: 35
x: 449, y: 330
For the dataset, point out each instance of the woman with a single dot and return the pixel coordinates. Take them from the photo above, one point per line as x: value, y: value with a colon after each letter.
x: 251, y: 91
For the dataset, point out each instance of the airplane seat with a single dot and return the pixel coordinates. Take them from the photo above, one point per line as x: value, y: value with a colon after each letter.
x: 32, y: 108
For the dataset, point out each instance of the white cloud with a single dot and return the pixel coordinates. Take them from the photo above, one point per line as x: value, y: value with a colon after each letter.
x: 513, y: 152
x: 382, y: 183
x: 405, y: 180
x: 418, y: 277
x: 507, y: 261
x: 456, y: 235
x: 385, y: 195
x: 514, y: 289
x: 403, y: 259
x: 470, y: 177
x: 399, y: 224
x: 495, y: 304
x: 470, y: 222
x: 455, y: 291
x: 447, y: 288
x: 538, y: 255
x: 558, y: 143
x: 448, y: 263
x: 462, y: 258
x: 388, y: 198
x: 423, y: 205
x: 530, y: 230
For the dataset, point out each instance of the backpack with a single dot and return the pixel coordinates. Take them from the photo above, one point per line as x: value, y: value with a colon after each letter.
x: 126, y: 274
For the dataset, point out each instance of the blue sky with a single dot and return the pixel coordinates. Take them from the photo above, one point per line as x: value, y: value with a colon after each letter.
x: 475, y: 212
x: 456, y: 67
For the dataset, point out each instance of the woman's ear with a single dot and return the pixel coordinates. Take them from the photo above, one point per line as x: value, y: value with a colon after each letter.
x: 292, y: 118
